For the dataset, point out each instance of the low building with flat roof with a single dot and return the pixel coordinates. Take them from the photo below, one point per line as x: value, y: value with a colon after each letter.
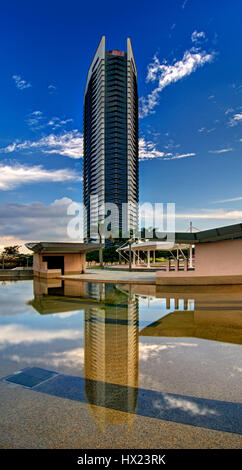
x: 53, y: 259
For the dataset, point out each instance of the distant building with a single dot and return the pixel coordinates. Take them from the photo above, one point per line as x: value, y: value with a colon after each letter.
x: 111, y: 137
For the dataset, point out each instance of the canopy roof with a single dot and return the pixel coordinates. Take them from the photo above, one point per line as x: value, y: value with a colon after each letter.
x: 153, y: 245
x: 229, y: 232
x: 61, y: 247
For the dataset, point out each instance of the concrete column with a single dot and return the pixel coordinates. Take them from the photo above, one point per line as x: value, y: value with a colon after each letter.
x: 134, y: 257
x: 130, y: 255
x: 148, y: 259
x: 168, y: 303
x: 190, y: 257
x: 83, y: 263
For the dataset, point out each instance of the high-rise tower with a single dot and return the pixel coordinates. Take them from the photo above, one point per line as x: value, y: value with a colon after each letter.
x: 111, y: 138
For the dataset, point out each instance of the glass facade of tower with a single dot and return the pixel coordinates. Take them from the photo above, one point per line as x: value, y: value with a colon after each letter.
x: 111, y: 138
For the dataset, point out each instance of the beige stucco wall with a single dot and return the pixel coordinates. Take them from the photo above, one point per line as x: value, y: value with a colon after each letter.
x: 41, y: 285
x: 40, y: 266
x: 74, y: 289
x: 36, y: 262
x: 74, y: 263
x: 219, y: 258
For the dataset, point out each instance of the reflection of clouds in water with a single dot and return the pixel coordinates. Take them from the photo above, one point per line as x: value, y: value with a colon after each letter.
x: 150, y: 301
x: 14, y: 297
x: 7, y: 283
x: 149, y: 351
x: 184, y: 405
x: 19, y: 334
x: 73, y: 358
x: 68, y: 314
x: 153, y: 300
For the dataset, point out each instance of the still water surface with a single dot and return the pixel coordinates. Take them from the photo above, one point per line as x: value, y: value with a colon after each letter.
x: 170, y: 355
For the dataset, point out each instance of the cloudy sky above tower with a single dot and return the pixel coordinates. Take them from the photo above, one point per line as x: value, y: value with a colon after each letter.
x: 188, y: 57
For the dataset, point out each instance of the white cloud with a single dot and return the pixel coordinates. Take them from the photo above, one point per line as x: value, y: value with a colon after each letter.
x: 211, y: 214
x: 184, y: 155
x: 167, y: 74
x: 52, y: 89
x: 19, y: 334
x: 198, y: 36
x: 229, y: 110
x: 34, y: 118
x: 222, y: 150
x: 185, y: 405
x: 16, y: 175
x: 10, y: 240
x: 56, y: 122
x: 232, y: 199
x: 35, y: 221
x: 148, y: 351
x: 20, y: 83
x: 205, y: 129
x: 73, y: 358
x: 208, y: 218
x: 237, y: 118
x: 68, y: 144
x: 148, y: 151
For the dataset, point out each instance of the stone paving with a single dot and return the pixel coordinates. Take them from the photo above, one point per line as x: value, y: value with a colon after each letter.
x: 103, y: 275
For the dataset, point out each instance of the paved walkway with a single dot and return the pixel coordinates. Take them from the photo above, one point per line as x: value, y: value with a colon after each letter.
x: 103, y: 275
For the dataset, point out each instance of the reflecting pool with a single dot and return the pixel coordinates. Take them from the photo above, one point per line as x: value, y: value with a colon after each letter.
x: 94, y: 365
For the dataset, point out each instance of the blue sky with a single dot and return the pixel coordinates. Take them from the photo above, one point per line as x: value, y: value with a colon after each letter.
x: 188, y: 57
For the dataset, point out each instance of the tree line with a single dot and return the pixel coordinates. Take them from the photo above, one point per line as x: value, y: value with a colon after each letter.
x: 11, y: 258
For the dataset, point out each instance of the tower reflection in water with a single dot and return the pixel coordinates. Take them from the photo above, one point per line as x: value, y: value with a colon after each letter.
x: 110, y: 343
x: 111, y: 355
